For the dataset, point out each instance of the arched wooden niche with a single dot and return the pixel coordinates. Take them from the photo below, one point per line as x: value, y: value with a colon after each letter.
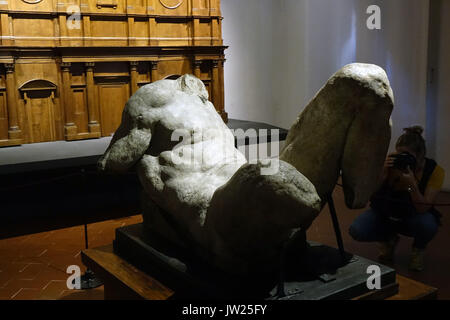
x: 40, y: 110
x: 38, y: 88
x: 172, y: 77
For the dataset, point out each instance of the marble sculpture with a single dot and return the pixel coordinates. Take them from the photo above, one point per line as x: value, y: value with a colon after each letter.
x: 202, y: 194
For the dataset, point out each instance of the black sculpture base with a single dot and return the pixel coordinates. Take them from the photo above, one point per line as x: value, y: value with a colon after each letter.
x: 89, y: 281
x: 319, y: 273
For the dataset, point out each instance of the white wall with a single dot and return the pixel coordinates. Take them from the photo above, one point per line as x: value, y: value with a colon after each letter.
x: 247, y: 29
x: 401, y: 49
x: 275, y: 66
x: 312, y: 40
x: 438, y: 116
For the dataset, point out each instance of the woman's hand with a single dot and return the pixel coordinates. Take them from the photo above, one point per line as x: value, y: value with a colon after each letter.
x: 409, y: 178
x: 388, y: 163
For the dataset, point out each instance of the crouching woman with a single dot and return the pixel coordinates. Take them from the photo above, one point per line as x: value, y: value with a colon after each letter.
x: 404, y: 203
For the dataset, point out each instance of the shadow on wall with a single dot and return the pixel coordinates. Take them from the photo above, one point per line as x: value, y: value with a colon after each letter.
x: 438, y: 98
x: 283, y: 51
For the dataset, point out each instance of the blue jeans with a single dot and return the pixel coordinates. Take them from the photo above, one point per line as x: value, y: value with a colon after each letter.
x: 371, y: 226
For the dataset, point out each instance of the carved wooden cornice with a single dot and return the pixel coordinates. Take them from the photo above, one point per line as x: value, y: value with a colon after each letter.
x: 9, y: 67
x: 65, y: 66
x: 154, y: 65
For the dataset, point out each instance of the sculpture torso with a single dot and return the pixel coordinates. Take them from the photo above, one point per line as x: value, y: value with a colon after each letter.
x: 233, y: 215
x: 191, y: 154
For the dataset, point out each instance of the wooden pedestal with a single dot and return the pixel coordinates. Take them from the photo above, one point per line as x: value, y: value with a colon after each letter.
x: 124, y: 282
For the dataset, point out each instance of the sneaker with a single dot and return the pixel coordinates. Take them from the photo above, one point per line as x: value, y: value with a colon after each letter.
x: 387, y: 250
x: 417, y: 260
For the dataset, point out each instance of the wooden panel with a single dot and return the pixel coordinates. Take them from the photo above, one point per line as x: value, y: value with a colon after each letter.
x: 203, y: 34
x: 215, y: 8
x: 80, y: 109
x: 410, y: 289
x: 174, y: 67
x: 31, y: 69
x: 39, y: 108
x: 200, y: 7
x: 107, y: 25
x: 6, y: 29
x: 113, y: 99
x: 136, y: 6
x: 38, y: 33
x: 141, y: 32
x: 173, y: 7
x: 119, y: 276
x: 76, y: 30
x: 20, y: 5
x: 216, y: 32
x: 174, y: 33
x: 40, y: 43
x: 109, y: 31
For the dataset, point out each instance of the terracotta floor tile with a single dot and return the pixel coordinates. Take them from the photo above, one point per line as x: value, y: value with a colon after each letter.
x: 39, y: 258
x: 37, y: 283
x: 34, y: 266
x: 43, y: 279
x: 13, y: 269
x: 31, y: 271
x: 26, y: 294
x: 91, y: 294
x: 4, y: 278
x: 53, y: 290
x: 10, y: 289
x: 3, y: 265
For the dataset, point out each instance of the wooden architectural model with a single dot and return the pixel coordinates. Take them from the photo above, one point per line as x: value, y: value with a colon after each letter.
x: 67, y: 67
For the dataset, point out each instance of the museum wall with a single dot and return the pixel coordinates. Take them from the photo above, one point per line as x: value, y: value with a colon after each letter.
x: 283, y: 51
x: 438, y: 115
x: 248, y: 27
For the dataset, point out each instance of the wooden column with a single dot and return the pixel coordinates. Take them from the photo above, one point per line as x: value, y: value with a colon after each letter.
x: 134, y: 76
x: 94, y: 126
x: 63, y: 30
x: 195, y: 32
x: 14, y: 131
x: 70, y: 129
x: 222, y: 90
x: 154, y: 71
x: 216, y: 86
x: 196, y: 66
x: 87, y: 30
x: 130, y: 23
x: 153, y: 32
x: 216, y: 32
x: 6, y: 31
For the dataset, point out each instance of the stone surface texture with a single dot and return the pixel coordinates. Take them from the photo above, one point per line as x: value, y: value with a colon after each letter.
x: 200, y: 192
x: 345, y: 128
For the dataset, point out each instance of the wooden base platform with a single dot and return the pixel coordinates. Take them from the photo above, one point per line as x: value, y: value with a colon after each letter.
x: 125, y: 282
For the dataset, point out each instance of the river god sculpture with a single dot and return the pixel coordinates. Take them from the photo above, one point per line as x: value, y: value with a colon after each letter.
x: 203, y: 195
